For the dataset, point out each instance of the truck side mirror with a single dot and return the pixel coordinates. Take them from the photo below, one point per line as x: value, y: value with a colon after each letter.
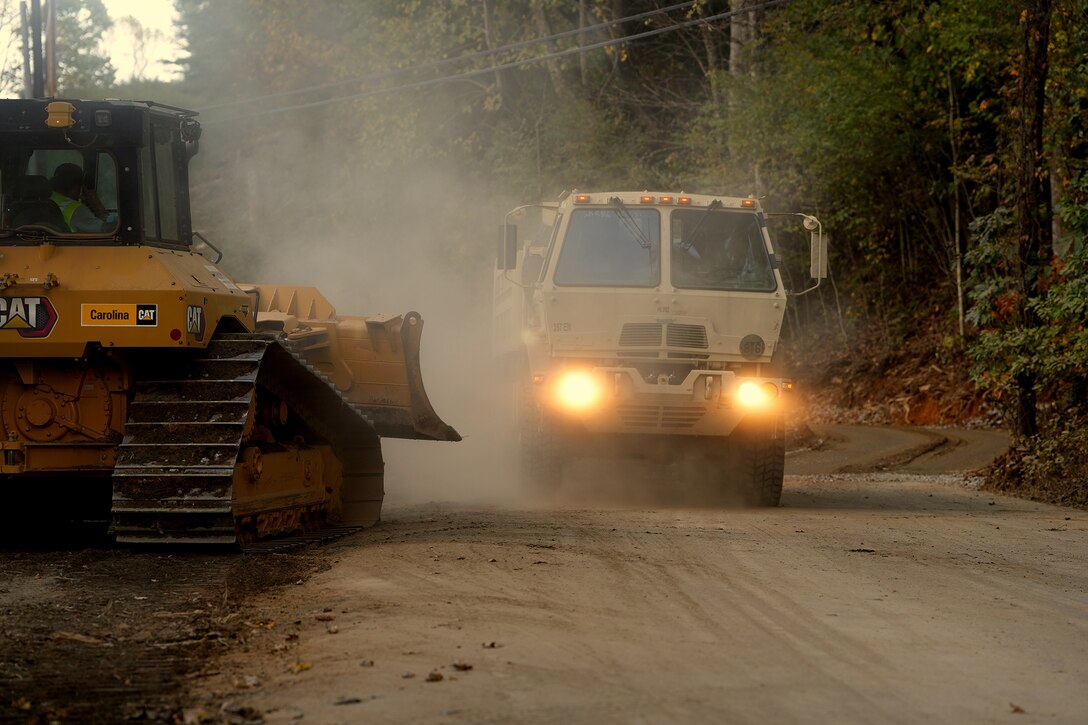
x: 507, y: 257
x: 817, y: 248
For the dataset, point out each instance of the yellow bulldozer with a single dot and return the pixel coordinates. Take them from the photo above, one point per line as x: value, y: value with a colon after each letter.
x: 140, y: 385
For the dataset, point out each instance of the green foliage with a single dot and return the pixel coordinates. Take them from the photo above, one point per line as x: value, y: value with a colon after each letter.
x: 81, y: 61
x: 1053, y: 352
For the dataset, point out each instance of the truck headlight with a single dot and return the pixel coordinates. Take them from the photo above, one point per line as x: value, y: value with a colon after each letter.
x: 751, y: 394
x: 577, y: 391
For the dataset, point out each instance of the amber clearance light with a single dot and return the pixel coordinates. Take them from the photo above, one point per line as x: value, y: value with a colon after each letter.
x: 581, y: 198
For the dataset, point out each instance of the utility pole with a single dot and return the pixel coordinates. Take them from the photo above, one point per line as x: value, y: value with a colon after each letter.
x: 38, y: 89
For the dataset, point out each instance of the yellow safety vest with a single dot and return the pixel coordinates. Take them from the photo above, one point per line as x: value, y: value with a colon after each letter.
x: 67, y: 207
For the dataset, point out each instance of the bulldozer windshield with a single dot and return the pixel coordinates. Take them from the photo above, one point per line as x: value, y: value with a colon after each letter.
x: 59, y: 191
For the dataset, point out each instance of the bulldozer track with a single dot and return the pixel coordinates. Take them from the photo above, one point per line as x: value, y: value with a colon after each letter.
x: 173, y: 479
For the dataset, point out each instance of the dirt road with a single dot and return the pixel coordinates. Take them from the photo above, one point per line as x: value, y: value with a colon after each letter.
x: 883, y: 590
x: 897, y: 594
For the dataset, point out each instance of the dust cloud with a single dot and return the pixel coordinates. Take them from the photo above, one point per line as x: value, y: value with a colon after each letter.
x: 415, y: 237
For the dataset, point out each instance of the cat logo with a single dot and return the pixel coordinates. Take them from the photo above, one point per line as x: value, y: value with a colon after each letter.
x: 194, y: 321
x: 31, y: 316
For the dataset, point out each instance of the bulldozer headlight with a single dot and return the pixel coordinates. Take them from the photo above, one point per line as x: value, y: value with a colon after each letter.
x: 751, y: 394
x: 577, y: 391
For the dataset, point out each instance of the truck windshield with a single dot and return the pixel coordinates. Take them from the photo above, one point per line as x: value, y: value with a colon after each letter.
x: 602, y: 249
x: 58, y: 191
x: 719, y: 250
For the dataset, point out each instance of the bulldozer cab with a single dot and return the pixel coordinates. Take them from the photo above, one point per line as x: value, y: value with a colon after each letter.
x: 95, y: 172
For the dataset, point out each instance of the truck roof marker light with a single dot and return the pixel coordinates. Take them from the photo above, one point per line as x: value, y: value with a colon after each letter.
x: 686, y: 200
x: 664, y: 200
x: 581, y: 198
x: 539, y: 379
x: 645, y: 200
x: 748, y: 203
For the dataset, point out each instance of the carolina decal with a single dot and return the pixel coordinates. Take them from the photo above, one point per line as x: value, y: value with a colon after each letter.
x: 31, y: 316
x: 194, y: 321
x: 109, y: 315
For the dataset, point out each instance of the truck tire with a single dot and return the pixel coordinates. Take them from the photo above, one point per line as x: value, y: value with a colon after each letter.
x: 761, y: 461
x: 541, y: 462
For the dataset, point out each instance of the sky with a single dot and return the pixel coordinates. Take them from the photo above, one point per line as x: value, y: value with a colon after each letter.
x: 153, y: 15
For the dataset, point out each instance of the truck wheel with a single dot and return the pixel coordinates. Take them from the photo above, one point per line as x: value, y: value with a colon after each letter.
x: 761, y: 461
x: 541, y: 463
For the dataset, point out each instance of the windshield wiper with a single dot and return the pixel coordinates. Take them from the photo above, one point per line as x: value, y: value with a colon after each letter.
x: 630, y: 223
x: 686, y: 244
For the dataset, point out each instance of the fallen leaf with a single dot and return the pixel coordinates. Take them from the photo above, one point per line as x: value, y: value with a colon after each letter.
x: 435, y: 677
x: 324, y: 617
x: 76, y: 637
x: 462, y: 666
x: 366, y: 663
x: 347, y: 701
x: 300, y: 667
x: 1016, y: 708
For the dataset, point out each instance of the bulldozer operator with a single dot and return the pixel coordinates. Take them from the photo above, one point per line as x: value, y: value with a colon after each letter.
x: 82, y: 210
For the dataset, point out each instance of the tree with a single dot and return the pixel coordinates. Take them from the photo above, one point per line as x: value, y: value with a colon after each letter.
x: 81, y: 61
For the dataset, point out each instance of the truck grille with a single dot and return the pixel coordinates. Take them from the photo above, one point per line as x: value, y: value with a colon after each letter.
x: 640, y: 334
x: 685, y: 336
x: 667, y: 417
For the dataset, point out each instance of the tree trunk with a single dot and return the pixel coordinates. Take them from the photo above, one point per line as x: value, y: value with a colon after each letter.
x: 742, y: 35
x: 489, y: 41
x: 1032, y: 200
x: 543, y: 29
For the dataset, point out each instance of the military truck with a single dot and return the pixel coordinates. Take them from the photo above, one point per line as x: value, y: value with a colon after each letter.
x: 647, y: 324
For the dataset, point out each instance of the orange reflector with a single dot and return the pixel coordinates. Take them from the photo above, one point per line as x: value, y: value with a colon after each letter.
x: 748, y: 203
x: 665, y: 200
x: 60, y: 114
x: 645, y: 200
x: 581, y: 199
x: 684, y: 200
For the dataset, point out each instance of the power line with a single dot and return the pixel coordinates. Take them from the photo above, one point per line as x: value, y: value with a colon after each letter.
x: 503, y: 66
x: 459, y: 59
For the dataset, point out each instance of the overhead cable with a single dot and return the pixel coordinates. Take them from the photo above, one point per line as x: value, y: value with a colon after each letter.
x: 501, y: 67
x: 457, y: 59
